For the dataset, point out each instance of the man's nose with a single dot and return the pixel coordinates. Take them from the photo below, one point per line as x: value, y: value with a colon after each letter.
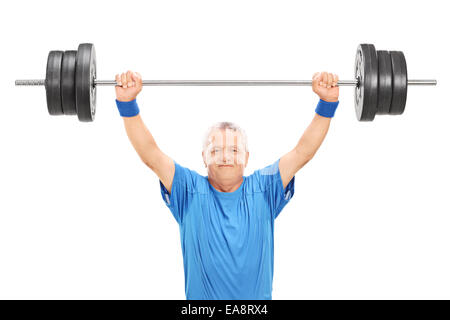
x: 227, y: 156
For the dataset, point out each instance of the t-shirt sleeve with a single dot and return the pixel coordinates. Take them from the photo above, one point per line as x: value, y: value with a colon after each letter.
x: 272, y: 186
x: 181, y: 194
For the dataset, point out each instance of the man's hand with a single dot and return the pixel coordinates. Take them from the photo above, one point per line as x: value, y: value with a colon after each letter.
x: 128, y: 86
x: 324, y: 84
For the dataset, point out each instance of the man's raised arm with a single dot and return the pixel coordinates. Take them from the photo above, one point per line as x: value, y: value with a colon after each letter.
x: 129, y: 86
x: 325, y: 86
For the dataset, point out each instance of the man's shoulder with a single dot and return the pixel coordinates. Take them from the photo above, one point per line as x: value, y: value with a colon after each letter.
x: 261, y: 178
x: 195, y: 182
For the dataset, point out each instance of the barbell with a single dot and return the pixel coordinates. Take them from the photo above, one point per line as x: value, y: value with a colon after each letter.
x: 381, y: 82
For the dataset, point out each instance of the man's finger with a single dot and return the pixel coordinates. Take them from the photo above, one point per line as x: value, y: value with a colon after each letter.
x: 129, y: 79
x: 324, y: 79
x: 335, y: 80
x: 136, y: 78
x: 118, y: 81
x: 315, y: 79
x: 330, y: 80
x: 124, y: 80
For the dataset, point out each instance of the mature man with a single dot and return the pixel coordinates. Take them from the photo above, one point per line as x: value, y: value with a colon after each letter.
x: 226, y: 219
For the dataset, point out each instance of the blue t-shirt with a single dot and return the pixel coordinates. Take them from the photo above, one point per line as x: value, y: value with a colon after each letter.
x: 227, y: 237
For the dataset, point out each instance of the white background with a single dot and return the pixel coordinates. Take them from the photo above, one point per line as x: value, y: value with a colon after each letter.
x: 82, y: 218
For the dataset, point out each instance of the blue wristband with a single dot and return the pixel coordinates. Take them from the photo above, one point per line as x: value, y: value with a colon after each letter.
x: 326, y: 109
x: 127, y: 108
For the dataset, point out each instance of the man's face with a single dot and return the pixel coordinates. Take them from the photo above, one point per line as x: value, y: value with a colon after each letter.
x: 225, y: 155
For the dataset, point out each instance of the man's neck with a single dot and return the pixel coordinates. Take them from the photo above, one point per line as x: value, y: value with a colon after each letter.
x: 226, y: 187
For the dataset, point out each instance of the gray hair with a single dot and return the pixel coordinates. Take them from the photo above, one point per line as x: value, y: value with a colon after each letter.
x: 225, y: 125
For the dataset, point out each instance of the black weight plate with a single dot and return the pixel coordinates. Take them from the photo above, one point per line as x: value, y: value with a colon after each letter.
x: 384, y: 82
x: 68, y: 83
x: 399, y: 82
x: 84, y: 82
x: 366, y: 92
x: 53, y: 83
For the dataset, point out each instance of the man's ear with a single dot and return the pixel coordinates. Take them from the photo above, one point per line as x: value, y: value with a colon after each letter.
x: 246, y: 160
x: 203, y: 157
